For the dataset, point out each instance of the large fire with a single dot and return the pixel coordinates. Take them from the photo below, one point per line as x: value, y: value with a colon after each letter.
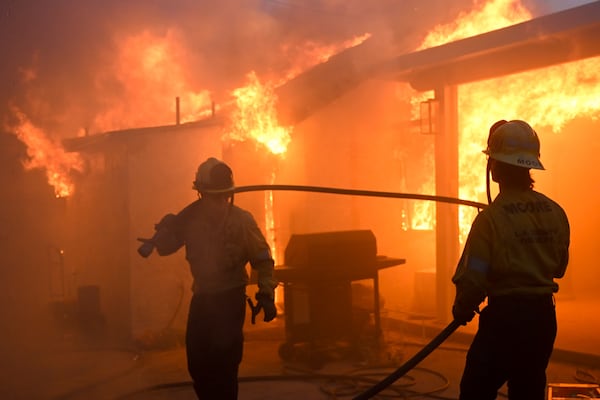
x: 315, y: 53
x: 486, y: 17
x: 568, y: 91
x: 44, y: 153
x: 150, y: 71
x: 547, y: 98
x: 148, y: 78
x: 254, y: 117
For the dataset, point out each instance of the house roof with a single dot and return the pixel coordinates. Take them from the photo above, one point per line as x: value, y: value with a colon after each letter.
x: 561, y: 37
x: 101, y: 140
x: 565, y: 36
x: 541, y: 42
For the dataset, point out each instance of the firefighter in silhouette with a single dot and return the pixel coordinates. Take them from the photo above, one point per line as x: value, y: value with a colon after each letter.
x: 516, y: 248
x: 220, y: 239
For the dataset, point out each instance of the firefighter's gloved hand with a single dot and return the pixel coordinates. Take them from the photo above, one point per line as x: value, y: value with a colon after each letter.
x: 462, y: 315
x: 268, y: 305
x: 146, y: 248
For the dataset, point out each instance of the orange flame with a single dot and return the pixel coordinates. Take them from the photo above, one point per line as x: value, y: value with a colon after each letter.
x: 312, y: 53
x: 568, y: 91
x: 45, y: 153
x: 256, y: 117
x: 150, y: 71
x: 486, y: 17
x: 255, y: 114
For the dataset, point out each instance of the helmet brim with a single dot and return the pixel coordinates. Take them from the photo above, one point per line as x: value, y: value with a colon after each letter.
x: 523, y: 160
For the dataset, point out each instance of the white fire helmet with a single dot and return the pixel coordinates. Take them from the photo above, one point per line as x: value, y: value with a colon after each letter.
x: 213, y: 176
x: 516, y: 143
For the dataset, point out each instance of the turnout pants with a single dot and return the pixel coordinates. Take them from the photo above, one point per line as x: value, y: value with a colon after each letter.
x: 513, y: 344
x: 214, y: 343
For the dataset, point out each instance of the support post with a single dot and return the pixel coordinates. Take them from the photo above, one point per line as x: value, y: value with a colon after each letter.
x: 446, y: 183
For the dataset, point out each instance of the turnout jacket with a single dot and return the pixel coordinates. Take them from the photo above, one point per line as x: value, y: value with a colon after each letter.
x: 517, y: 246
x: 217, y: 247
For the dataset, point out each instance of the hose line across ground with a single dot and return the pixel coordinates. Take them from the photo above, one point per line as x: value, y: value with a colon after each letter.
x: 411, y: 363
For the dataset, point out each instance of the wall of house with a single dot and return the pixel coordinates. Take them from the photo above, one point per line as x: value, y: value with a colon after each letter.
x: 96, y: 257
x: 129, y: 185
x: 363, y: 140
x: 31, y: 286
x: 161, y: 172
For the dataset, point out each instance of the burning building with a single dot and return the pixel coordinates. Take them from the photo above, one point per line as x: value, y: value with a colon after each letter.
x: 370, y: 118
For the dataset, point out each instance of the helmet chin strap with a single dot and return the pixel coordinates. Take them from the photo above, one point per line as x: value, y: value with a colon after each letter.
x: 487, y: 182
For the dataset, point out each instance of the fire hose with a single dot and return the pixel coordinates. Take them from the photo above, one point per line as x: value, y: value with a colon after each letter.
x: 147, y: 248
x: 447, y: 331
x: 357, y: 192
x: 410, y: 364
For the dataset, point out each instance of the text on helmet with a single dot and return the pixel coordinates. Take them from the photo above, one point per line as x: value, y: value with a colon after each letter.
x: 528, y: 163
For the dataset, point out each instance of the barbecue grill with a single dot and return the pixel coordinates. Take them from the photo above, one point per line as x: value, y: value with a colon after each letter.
x: 317, y: 277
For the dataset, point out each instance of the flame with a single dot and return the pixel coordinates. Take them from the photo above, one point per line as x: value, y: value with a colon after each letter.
x: 150, y: 73
x: 270, y: 219
x: 255, y: 117
x: 140, y: 87
x: 313, y: 53
x: 485, y: 17
x: 45, y: 153
x: 568, y: 91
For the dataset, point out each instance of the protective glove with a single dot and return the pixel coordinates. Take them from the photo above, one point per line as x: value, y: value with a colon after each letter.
x: 148, y: 245
x: 267, y: 303
x: 146, y: 248
x: 462, y: 315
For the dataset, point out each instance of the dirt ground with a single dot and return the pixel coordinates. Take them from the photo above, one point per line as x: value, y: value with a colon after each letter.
x: 72, y: 371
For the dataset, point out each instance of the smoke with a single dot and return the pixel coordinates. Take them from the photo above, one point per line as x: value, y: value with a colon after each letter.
x: 60, y: 57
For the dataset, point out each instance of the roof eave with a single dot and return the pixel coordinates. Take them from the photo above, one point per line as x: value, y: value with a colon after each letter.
x: 557, y: 38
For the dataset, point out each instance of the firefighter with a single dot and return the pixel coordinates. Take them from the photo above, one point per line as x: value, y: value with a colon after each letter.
x: 516, y: 248
x: 220, y: 239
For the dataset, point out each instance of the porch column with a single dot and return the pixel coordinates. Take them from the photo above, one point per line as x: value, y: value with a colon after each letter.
x: 446, y: 183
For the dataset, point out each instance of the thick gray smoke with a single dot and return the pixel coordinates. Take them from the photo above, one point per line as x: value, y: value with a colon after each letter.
x: 53, y: 51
